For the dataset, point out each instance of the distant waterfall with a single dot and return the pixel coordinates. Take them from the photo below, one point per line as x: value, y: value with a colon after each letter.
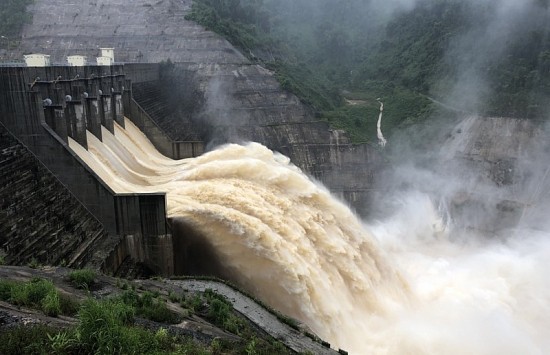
x: 381, y: 140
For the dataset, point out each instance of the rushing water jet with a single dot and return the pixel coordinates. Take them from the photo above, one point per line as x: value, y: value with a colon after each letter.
x: 284, y: 238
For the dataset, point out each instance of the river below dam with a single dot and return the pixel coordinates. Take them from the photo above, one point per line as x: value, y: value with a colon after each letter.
x: 400, y: 285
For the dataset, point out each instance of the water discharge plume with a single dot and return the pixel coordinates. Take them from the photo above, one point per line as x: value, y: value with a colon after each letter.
x: 284, y: 238
x: 297, y: 248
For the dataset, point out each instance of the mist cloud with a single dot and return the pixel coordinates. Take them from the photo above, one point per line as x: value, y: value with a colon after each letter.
x: 495, y: 26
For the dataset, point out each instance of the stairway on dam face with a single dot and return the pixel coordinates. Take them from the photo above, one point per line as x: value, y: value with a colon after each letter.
x: 150, y: 98
x: 39, y: 218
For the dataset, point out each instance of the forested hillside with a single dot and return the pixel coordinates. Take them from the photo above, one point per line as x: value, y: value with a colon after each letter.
x: 488, y: 56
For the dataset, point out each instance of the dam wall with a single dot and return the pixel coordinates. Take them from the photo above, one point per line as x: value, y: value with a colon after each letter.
x: 213, y: 95
x: 45, y: 107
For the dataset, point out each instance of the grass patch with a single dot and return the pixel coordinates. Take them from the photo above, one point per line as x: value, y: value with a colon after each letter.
x: 149, y: 306
x: 23, y: 340
x: 37, y: 294
x: 401, y: 107
x: 101, y: 326
x: 83, y: 278
x: 107, y: 326
x: 220, y: 312
x: 312, y: 89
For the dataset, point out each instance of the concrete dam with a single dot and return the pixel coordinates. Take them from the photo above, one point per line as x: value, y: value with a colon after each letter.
x: 45, y: 107
x: 298, y: 248
x: 104, y: 167
x: 219, y: 95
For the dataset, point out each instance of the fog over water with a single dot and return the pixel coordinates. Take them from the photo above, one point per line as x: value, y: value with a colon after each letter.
x: 404, y: 284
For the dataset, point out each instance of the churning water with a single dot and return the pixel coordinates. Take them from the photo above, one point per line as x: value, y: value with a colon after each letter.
x: 401, y: 286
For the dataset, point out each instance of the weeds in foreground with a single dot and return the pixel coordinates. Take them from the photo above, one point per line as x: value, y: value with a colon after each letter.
x: 83, y: 278
x: 38, y: 294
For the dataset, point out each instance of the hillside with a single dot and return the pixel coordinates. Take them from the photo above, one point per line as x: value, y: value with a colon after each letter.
x: 64, y: 311
x: 487, y: 57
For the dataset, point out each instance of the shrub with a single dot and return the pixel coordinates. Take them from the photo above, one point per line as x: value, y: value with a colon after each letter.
x: 101, y: 325
x: 33, y: 264
x: 219, y: 311
x: 69, y: 306
x: 174, y: 297
x: 192, y: 303
x: 51, y: 305
x: 158, y: 311
x: 5, y: 289
x: 83, y: 278
x: 23, y: 340
x: 130, y: 297
x: 149, y: 306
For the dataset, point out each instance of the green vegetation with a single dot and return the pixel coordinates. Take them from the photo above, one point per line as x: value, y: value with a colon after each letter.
x: 104, y: 327
x: 195, y: 302
x: 37, y: 294
x: 108, y: 326
x: 220, y: 312
x: 313, y: 62
x: 34, y: 264
x: 149, y: 306
x: 83, y: 278
x: 26, y: 340
x: 327, y: 51
x: 311, y: 88
x: 13, y: 15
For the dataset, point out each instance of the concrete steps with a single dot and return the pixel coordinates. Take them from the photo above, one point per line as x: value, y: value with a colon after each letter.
x: 150, y: 97
x: 39, y: 218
